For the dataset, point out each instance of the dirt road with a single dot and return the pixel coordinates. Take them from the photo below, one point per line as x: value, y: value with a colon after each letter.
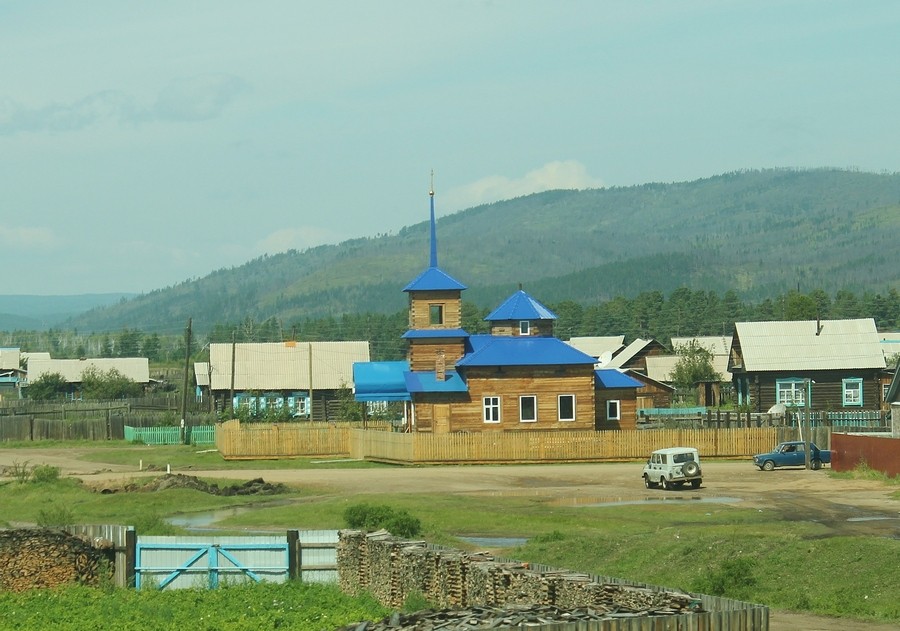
x: 861, y: 507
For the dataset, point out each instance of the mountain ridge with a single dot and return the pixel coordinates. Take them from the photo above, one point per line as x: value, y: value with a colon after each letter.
x: 758, y: 232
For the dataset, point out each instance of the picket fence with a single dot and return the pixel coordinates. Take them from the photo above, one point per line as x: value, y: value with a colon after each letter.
x: 192, y: 435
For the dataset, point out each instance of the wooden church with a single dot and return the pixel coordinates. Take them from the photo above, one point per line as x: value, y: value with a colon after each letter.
x: 519, y: 377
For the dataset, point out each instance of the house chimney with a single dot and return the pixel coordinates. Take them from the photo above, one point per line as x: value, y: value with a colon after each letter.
x: 440, y: 366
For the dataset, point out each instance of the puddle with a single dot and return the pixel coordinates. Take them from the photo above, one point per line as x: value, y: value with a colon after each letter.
x: 631, y: 501
x: 495, y: 542
x: 876, y: 518
x: 200, y: 521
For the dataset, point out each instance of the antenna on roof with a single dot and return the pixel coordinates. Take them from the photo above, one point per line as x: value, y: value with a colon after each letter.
x: 433, y: 230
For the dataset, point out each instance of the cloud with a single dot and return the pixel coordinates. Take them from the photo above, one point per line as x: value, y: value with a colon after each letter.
x: 197, y: 98
x: 568, y: 174
x: 294, y: 239
x: 57, y: 117
x: 27, y: 238
x: 187, y: 99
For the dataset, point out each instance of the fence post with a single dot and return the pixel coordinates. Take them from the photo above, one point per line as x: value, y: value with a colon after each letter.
x: 294, y: 560
x: 130, y: 557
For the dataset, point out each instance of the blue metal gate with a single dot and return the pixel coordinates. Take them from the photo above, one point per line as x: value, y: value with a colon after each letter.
x: 180, y: 562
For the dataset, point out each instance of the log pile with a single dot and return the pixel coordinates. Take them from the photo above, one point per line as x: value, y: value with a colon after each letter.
x: 37, y: 558
x: 486, y: 617
x: 391, y: 569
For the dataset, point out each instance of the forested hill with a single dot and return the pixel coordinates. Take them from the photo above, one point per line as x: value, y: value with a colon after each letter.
x: 759, y: 233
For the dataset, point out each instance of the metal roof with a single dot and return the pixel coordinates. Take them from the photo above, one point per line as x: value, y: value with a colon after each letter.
x: 285, y: 365
x: 809, y: 345
x: 428, y: 382
x: 9, y: 359
x: 611, y: 378
x: 628, y: 353
x: 135, y: 368
x: 490, y: 350
x: 201, y: 374
x: 380, y: 381
x: 434, y: 279
x: 597, y: 346
x: 521, y: 306
x: 715, y: 344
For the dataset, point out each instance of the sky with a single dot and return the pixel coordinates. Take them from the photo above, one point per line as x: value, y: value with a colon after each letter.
x: 143, y: 144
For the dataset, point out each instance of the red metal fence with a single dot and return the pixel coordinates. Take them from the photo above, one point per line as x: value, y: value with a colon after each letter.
x: 881, y: 453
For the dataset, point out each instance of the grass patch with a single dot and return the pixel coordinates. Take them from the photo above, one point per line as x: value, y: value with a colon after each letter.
x: 293, y: 605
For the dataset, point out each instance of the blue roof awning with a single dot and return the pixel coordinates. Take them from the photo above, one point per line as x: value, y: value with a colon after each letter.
x: 434, y: 279
x: 380, y: 381
x: 612, y: 378
x: 428, y: 382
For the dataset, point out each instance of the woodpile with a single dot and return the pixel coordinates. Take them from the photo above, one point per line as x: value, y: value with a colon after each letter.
x: 36, y: 558
x: 391, y: 569
x: 486, y: 617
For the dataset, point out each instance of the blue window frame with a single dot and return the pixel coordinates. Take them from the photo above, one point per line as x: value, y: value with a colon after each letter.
x: 852, y: 392
x: 790, y: 391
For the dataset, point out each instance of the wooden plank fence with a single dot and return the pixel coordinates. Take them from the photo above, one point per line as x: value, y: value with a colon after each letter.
x: 236, y: 440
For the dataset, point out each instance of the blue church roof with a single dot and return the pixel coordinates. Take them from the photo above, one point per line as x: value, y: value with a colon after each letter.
x: 434, y: 279
x: 612, y: 378
x: 427, y: 382
x: 521, y: 306
x: 380, y: 381
x: 490, y: 350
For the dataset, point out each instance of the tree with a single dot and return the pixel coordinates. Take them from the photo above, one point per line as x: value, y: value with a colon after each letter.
x: 694, y: 364
x: 48, y: 387
x: 99, y: 385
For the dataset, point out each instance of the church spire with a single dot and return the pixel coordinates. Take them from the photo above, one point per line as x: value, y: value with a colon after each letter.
x: 433, y: 230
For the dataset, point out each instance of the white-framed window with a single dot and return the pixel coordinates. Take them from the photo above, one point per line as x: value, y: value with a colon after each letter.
x: 613, y: 410
x: 566, y: 407
x: 436, y: 314
x: 524, y: 327
x: 790, y: 391
x: 528, y: 408
x: 852, y: 390
x: 491, y: 407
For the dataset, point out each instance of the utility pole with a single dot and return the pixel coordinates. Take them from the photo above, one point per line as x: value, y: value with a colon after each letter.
x: 184, y: 388
x: 806, y: 440
x: 231, y: 402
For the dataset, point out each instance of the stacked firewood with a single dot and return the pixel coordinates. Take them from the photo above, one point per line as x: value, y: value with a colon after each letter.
x: 35, y: 558
x: 391, y: 569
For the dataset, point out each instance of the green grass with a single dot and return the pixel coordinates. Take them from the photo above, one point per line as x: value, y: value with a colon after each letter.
x: 294, y: 605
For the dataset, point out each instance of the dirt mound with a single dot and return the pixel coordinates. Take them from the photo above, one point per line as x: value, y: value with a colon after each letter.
x: 257, y: 486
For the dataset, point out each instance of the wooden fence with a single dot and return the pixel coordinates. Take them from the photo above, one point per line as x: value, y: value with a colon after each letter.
x: 236, y: 440
x: 25, y: 428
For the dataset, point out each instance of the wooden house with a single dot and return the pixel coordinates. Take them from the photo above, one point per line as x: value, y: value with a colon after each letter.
x: 828, y: 364
x: 137, y: 369
x: 11, y: 373
x: 304, y: 377
x: 519, y: 377
x: 634, y: 355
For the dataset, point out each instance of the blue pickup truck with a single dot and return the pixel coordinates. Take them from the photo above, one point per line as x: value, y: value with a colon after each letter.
x: 792, y: 454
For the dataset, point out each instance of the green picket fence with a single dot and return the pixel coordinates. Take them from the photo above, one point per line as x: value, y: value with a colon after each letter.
x: 196, y: 435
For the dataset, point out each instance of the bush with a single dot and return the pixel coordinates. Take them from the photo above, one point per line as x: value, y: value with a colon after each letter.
x: 54, y: 517
x: 731, y: 578
x: 44, y: 474
x: 375, y: 517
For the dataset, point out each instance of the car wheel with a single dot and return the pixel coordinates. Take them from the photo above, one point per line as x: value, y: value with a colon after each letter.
x: 768, y: 465
x: 664, y: 483
x: 691, y: 469
x: 648, y: 483
x: 695, y: 484
x: 816, y: 464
